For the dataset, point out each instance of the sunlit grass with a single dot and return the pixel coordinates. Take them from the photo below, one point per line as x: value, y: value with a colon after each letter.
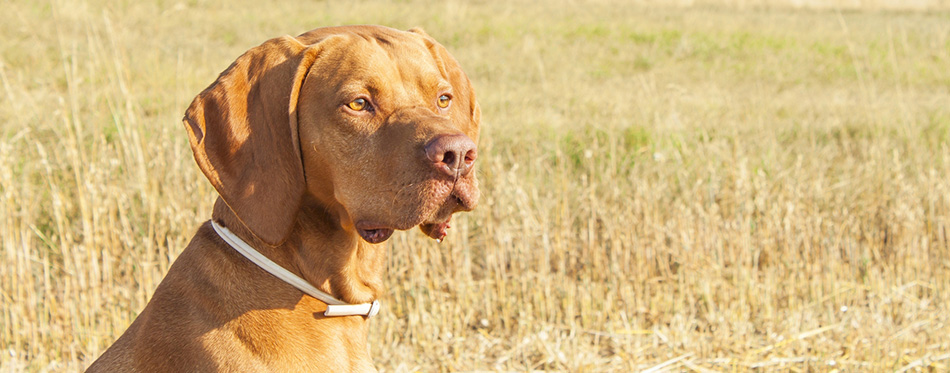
x: 711, y: 187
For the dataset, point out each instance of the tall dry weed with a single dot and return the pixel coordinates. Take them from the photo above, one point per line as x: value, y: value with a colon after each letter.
x: 697, y: 188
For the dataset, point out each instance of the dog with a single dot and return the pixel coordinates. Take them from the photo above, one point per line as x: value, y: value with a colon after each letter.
x: 319, y: 147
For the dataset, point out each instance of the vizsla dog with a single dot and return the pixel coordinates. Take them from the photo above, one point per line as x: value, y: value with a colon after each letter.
x: 319, y: 146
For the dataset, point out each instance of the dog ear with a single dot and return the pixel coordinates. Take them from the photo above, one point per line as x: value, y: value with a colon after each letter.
x: 243, y: 132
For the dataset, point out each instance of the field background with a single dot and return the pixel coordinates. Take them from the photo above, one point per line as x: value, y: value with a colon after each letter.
x: 699, y: 185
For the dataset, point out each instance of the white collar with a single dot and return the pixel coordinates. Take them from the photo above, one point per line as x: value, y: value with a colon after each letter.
x: 335, y: 307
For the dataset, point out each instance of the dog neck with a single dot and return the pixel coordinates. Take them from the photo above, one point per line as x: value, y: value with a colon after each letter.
x: 320, y: 251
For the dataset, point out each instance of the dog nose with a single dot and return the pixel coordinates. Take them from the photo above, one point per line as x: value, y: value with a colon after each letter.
x: 452, y: 154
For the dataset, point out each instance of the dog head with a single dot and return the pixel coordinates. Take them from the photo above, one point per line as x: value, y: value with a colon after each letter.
x: 378, y: 126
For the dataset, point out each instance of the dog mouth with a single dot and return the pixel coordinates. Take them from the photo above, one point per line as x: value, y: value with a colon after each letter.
x: 378, y: 234
x: 375, y: 233
x: 435, y: 226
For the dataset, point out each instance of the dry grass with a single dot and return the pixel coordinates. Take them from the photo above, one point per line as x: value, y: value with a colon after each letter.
x: 666, y: 188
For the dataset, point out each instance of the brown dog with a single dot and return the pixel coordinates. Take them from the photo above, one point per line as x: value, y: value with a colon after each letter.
x: 319, y: 146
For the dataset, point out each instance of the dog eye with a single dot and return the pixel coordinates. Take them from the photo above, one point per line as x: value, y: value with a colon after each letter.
x: 358, y: 104
x: 444, y: 101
